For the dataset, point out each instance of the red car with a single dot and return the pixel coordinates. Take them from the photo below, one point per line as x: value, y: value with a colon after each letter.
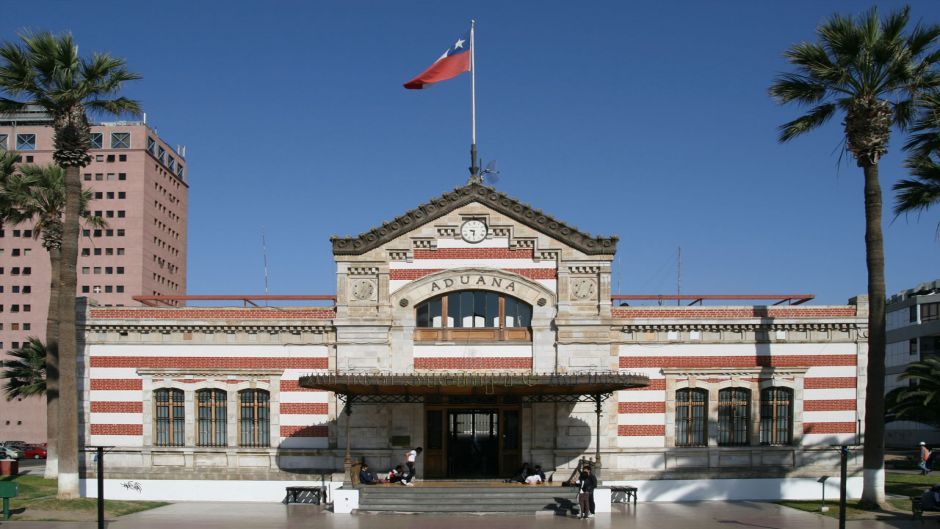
x: 34, y: 452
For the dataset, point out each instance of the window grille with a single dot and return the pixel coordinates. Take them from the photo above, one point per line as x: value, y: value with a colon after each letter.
x: 734, y: 417
x: 691, y: 409
x: 25, y: 142
x: 254, y: 418
x: 213, y: 417
x: 776, y: 416
x: 96, y: 139
x: 120, y: 140
x: 170, y: 417
x: 3, y: 142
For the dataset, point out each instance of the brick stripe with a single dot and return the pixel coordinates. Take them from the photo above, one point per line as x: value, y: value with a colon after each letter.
x: 829, y: 383
x: 305, y: 431
x: 117, y: 429
x: 724, y: 313
x: 117, y: 407
x: 474, y: 363
x: 418, y: 273
x: 260, y: 313
x: 116, y: 383
x: 641, y: 407
x: 829, y: 405
x: 631, y: 430
x: 828, y: 427
x: 655, y: 383
x: 210, y: 362
x: 628, y: 362
x: 304, y: 408
x: 475, y: 253
x: 294, y: 385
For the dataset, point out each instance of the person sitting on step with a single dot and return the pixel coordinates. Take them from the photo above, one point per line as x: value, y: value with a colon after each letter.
x: 395, y: 474
x: 366, y: 477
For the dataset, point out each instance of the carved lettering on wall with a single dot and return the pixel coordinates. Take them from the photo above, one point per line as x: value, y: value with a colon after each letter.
x: 466, y: 281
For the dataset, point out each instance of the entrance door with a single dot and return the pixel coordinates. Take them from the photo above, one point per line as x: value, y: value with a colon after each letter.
x: 472, y: 443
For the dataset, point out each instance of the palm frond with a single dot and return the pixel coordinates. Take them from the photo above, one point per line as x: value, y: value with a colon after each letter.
x: 922, y: 192
x: 25, y: 370
x: 807, y: 122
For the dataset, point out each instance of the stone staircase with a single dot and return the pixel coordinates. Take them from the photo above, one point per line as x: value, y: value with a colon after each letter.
x: 468, y: 497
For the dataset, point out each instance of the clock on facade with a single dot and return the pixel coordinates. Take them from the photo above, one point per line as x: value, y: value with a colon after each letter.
x: 473, y: 230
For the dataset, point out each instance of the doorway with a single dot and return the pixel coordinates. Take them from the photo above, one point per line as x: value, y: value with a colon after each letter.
x: 472, y: 442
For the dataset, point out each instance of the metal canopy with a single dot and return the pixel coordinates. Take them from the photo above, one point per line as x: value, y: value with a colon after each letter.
x: 412, y: 387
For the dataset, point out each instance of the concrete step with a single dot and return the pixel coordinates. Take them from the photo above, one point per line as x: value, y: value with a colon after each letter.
x: 430, y: 499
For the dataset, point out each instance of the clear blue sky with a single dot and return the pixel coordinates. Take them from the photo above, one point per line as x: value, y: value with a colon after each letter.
x: 646, y: 120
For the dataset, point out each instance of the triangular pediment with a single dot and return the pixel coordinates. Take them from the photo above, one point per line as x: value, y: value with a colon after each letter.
x: 487, y: 196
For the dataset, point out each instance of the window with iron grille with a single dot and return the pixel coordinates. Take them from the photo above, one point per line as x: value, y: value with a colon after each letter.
x: 734, y: 417
x: 213, y: 416
x: 96, y: 140
x: 691, y: 409
x: 169, y: 417
x: 120, y: 140
x: 3, y: 142
x: 25, y: 142
x: 152, y: 145
x: 776, y: 416
x: 254, y: 424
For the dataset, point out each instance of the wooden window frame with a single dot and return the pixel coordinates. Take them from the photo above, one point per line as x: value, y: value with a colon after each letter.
x: 690, y: 418
x: 735, y: 421
x: 445, y: 333
x: 772, y: 404
x: 255, y: 406
x: 174, y: 407
x: 218, y: 429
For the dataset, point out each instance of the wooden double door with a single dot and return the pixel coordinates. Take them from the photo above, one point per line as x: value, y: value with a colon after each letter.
x: 472, y: 441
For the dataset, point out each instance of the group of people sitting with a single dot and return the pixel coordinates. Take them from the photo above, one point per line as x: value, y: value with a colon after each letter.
x: 528, y: 475
x: 403, y: 475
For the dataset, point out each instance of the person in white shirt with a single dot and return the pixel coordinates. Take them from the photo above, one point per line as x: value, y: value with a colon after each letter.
x: 410, y: 457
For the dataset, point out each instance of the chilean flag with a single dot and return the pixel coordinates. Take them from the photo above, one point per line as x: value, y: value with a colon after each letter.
x: 455, y: 61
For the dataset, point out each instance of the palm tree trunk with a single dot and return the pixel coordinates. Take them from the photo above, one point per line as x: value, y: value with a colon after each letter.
x: 68, y: 355
x: 873, y: 490
x: 52, y: 368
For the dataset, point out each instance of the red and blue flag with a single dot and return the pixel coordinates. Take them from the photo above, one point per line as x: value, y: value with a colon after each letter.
x: 455, y: 61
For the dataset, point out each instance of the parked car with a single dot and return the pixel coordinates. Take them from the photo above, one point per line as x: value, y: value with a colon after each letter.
x: 18, y: 445
x: 12, y: 453
x: 34, y: 452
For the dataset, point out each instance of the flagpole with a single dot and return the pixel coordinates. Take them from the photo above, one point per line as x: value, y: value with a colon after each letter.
x: 474, y: 168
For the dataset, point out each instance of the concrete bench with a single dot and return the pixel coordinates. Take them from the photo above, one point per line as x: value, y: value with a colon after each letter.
x: 302, y: 494
x: 623, y: 494
x: 8, y: 489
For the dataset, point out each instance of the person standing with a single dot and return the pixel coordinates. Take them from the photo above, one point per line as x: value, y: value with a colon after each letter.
x: 410, y: 457
x: 586, y: 484
x: 924, y: 457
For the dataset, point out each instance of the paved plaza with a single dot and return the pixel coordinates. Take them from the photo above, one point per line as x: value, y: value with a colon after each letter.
x: 702, y: 515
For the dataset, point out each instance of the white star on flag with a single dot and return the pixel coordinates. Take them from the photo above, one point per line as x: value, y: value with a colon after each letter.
x: 459, y: 44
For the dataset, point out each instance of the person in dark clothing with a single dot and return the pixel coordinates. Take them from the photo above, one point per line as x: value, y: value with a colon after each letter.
x: 366, y: 477
x: 930, y: 500
x: 586, y: 484
x: 395, y: 475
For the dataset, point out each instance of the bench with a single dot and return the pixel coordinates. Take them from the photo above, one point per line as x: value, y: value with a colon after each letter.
x: 302, y: 494
x: 624, y: 493
x: 8, y: 489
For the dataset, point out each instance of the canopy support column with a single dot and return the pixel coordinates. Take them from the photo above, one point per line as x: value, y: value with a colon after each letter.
x: 597, y: 434
x: 347, y: 461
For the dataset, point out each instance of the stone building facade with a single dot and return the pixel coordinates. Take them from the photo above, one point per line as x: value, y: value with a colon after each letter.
x: 740, y: 401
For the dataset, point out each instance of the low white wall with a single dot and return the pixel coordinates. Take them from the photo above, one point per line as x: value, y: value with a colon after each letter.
x: 197, y: 490
x: 740, y: 489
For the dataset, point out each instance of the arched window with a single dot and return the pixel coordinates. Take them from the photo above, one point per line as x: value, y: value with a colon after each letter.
x: 691, y: 409
x: 734, y: 417
x: 776, y: 416
x: 254, y: 422
x: 473, y: 314
x: 213, y: 417
x: 169, y: 417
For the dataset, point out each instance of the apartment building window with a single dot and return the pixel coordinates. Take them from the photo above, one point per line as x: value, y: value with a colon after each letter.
x: 913, y: 314
x: 96, y: 270
x: 86, y: 233
x: 97, y: 251
x: 16, y: 233
x: 27, y: 307
x: 15, y: 271
x: 99, y: 176
x: 14, y: 326
x: 179, y: 171
x: 161, y: 154
x: 151, y: 146
x: 109, y: 233
x: 110, y: 177
x: 107, y: 251
x: 86, y: 289
x: 120, y: 270
x: 170, y: 417
x: 27, y: 270
x: 26, y: 142
x: 929, y: 312
x: 15, y: 289
x: 122, y: 176
x: 912, y: 346
x: 120, y: 232
x: 110, y: 158
x: 27, y: 234
x: 3, y: 142
x: 120, y: 289
x: 97, y: 233
x: 87, y: 177
x: 120, y: 140
x: 108, y: 289
x: 15, y: 345
x: 121, y: 213
x: 96, y: 140
x: 15, y: 252
x: 14, y: 308
x: 122, y: 194
x: 171, y: 163
x: 27, y: 326
x: 109, y: 270
x: 120, y: 251
x: 122, y: 157
x: 86, y: 252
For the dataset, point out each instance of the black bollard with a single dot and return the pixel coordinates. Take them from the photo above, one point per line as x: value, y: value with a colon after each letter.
x: 844, y: 460
x: 100, y: 456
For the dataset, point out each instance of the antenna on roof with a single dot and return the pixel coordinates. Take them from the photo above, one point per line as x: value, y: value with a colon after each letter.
x: 264, y: 253
x: 490, y: 174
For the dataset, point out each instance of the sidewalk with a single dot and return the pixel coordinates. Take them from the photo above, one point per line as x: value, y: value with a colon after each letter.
x: 702, y: 515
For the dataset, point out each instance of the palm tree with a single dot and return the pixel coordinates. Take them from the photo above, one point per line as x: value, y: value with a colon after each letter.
x: 919, y: 401
x: 922, y: 192
x: 46, y: 70
x: 869, y: 70
x: 25, y: 370
x: 37, y: 194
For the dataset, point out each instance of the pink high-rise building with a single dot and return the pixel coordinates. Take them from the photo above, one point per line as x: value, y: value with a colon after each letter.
x: 140, y: 189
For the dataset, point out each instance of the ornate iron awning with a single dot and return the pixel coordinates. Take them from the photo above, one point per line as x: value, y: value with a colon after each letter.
x: 414, y: 387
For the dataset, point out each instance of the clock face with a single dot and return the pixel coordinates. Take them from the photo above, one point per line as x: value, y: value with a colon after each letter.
x: 473, y: 231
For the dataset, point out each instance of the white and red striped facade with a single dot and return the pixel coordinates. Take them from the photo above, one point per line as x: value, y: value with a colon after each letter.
x: 817, y: 352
